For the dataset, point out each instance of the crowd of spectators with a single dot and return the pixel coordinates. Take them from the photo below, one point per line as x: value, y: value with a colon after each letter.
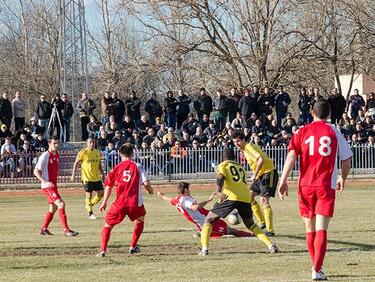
x: 181, y: 124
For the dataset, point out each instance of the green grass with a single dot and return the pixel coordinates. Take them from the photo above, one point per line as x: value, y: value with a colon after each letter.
x: 169, y: 251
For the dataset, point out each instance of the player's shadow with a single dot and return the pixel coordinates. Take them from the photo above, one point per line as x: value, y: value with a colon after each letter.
x: 354, y: 245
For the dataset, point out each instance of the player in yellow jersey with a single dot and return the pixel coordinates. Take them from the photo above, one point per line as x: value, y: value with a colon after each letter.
x: 91, y: 175
x: 234, y: 193
x: 264, y: 180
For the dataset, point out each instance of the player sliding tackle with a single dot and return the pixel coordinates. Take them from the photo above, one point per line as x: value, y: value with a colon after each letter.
x: 128, y: 177
x: 234, y: 193
x: 196, y: 213
x: 318, y: 144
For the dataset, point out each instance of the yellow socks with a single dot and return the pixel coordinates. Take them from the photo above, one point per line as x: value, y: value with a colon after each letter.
x: 268, y: 215
x: 205, y: 235
x: 96, y: 199
x: 260, y: 235
x: 88, y: 205
x: 257, y: 211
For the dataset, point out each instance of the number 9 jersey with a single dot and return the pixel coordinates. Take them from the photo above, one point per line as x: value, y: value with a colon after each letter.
x: 318, y: 144
x: 235, y: 183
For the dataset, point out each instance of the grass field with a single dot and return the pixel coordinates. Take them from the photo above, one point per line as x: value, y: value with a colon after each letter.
x: 169, y: 251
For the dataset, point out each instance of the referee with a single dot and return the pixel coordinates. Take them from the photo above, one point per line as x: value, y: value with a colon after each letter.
x: 91, y: 169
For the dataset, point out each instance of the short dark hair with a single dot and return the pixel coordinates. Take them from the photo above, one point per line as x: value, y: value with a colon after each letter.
x: 239, y: 135
x: 182, y: 187
x: 53, y: 137
x: 322, y: 109
x: 127, y: 150
x: 228, y: 154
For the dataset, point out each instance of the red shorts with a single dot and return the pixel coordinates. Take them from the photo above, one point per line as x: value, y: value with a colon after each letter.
x: 52, y: 194
x: 117, y: 214
x: 219, y: 229
x: 316, y: 200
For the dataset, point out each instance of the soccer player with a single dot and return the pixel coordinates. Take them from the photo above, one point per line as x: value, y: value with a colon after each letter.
x: 91, y: 169
x: 264, y: 181
x: 196, y: 213
x: 47, y: 170
x: 128, y: 177
x: 233, y: 189
x: 318, y: 144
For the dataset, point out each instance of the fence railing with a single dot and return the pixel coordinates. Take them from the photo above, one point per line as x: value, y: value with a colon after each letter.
x: 163, y: 165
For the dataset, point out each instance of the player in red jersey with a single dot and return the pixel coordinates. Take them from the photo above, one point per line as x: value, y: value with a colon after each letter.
x: 318, y: 144
x: 47, y: 171
x: 196, y: 213
x: 128, y: 177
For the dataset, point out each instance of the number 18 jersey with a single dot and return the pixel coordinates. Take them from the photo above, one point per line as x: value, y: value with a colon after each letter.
x: 318, y: 144
x: 235, y: 183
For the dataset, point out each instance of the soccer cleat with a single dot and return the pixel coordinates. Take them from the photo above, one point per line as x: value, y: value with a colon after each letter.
x: 262, y: 226
x: 196, y: 234
x: 44, y: 231
x: 269, y: 234
x: 92, y: 217
x: 134, y: 250
x: 203, y: 253
x: 101, y: 254
x: 273, y: 249
x: 318, y: 276
x: 71, y: 233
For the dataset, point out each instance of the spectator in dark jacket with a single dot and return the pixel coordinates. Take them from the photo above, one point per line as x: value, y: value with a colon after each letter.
x: 282, y: 101
x: 211, y: 131
x: 40, y: 144
x: 86, y: 108
x: 370, y: 103
x: 265, y: 102
x: 221, y: 110
x: 153, y: 108
x: 304, y: 106
x: 5, y: 110
x: 203, y: 104
x: 338, y: 105
x: 107, y: 105
x: 183, y: 109
x: 170, y: 108
x: 355, y: 103
x: 190, y: 125
x: 128, y: 126
x: 204, y: 122
x: 93, y: 127
x: 43, y: 112
x: 67, y: 114
x: 118, y: 107
x: 35, y: 128
x: 233, y: 100
x: 133, y: 107
x: 143, y: 125
x: 247, y: 104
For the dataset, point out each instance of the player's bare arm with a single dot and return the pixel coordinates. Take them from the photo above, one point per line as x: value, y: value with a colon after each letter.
x: 200, y: 205
x: 289, y: 164
x: 219, y: 187
x: 259, y: 166
x: 163, y: 197
x: 45, y: 182
x: 107, y: 194
x: 147, y: 185
x: 77, y: 161
x: 101, y: 170
x: 345, y: 169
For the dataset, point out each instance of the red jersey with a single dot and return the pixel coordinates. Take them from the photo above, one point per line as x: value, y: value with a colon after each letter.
x: 128, y: 178
x: 318, y: 144
x: 48, y: 164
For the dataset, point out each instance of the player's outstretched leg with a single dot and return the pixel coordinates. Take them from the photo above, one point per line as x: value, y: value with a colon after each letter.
x: 257, y: 211
x: 268, y: 216
x: 137, y: 232
x: 47, y: 220
x: 106, y: 234
x: 63, y: 218
x: 238, y: 233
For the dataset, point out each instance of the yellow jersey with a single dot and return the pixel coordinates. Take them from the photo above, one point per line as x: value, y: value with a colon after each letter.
x: 252, y: 153
x: 90, y: 160
x: 235, y: 183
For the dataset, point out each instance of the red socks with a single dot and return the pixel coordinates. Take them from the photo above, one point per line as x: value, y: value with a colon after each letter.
x: 63, y: 219
x: 138, y: 229
x: 310, y: 238
x: 320, y: 246
x: 106, y: 233
x: 47, y: 220
x: 240, y: 233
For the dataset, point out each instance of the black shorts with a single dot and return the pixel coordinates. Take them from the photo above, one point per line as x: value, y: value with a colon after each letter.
x: 224, y: 208
x: 266, y: 184
x: 91, y: 186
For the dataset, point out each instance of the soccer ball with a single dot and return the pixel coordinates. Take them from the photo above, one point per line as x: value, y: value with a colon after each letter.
x: 234, y: 218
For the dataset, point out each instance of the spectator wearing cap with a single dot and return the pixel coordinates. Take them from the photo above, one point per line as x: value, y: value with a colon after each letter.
x: 5, y: 133
x: 233, y: 100
x: 67, y: 113
x: 35, y: 128
x: 238, y: 123
x: 355, y: 103
x: 5, y: 110
x: 106, y: 104
x: 211, y: 131
x: 19, y: 106
x: 143, y: 125
x: 203, y: 104
x: 304, y: 106
x: 153, y: 108
x: 247, y: 104
x: 183, y: 109
x: 133, y: 107
x: 190, y: 125
x: 86, y: 107
x: 93, y: 127
x: 170, y: 109
x: 337, y: 104
x: 221, y: 110
x: 282, y: 101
